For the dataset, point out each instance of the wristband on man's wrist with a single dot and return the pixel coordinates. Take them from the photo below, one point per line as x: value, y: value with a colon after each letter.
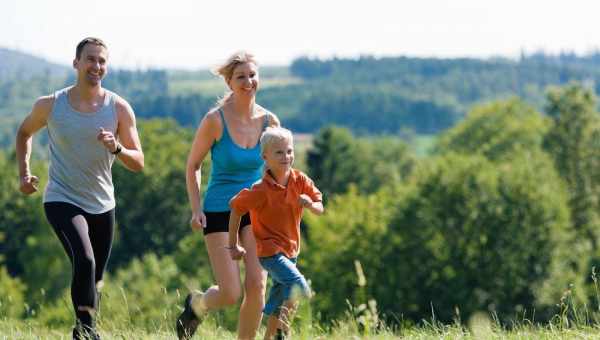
x: 117, y: 150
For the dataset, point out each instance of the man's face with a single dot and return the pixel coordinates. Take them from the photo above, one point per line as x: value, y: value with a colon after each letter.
x: 92, y: 65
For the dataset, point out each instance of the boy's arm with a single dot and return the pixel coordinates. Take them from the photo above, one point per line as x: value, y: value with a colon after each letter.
x: 311, y: 197
x: 244, y: 201
x: 235, y: 250
x: 315, y: 207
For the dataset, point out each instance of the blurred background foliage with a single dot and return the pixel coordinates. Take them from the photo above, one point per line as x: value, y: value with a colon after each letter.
x: 459, y: 186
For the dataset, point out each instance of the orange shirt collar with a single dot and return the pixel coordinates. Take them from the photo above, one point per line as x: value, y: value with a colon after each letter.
x: 268, y: 177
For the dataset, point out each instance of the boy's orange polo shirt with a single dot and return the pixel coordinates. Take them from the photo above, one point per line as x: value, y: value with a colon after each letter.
x: 275, y: 212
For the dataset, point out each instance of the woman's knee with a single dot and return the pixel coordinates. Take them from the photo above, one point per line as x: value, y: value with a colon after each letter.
x: 230, y: 295
x: 255, y: 287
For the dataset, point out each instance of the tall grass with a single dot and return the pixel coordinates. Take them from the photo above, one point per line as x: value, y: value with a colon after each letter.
x: 121, y: 317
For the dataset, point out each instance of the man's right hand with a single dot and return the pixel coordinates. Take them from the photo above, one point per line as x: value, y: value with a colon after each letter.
x: 28, y: 184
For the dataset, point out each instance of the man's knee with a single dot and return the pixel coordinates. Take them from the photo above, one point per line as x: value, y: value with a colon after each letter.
x: 90, y: 310
x: 85, y: 265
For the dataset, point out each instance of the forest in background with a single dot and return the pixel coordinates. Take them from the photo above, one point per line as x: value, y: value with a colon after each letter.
x: 370, y: 96
x: 500, y: 216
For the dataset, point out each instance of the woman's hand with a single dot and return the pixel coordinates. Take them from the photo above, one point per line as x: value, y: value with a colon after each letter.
x: 198, y: 220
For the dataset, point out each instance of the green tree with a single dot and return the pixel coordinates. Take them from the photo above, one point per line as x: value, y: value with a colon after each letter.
x: 337, y: 160
x: 333, y: 161
x: 30, y: 249
x: 12, y: 301
x: 351, y: 230
x: 573, y: 141
x: 496, y: 130
x: 152, y: 206
x: 472, y: 235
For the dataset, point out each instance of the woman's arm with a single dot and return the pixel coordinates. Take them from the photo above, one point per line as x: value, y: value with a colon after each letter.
x: 203, y: 141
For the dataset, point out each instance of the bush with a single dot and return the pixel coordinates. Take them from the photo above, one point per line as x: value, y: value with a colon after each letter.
x: 12, y: 301
x: 478, y: 236
x: 142, y: 295
x: 350, y: 230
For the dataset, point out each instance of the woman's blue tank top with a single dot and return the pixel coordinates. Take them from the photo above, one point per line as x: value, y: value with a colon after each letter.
x: 233, y: 168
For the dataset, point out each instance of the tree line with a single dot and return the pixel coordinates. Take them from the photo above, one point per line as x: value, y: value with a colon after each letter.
x: 366, y: 95
x: 502, y: 217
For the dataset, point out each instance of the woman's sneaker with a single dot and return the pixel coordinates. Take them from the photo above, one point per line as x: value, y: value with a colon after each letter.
x: 188, y: 321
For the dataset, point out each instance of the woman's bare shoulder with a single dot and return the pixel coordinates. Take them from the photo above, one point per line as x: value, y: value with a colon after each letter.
x: 271, y: 117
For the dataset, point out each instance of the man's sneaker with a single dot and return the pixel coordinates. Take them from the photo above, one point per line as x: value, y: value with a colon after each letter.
x: 85, y: 333
x: 187, y: 322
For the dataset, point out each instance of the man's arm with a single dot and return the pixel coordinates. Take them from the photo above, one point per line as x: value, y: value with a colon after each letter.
x: 37, y: 119
x: 131, y: 153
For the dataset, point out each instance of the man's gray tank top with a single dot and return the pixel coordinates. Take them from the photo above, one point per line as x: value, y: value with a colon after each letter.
x: 80, y: 165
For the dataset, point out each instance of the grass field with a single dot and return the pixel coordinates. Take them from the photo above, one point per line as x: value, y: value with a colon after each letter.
x: 14, y: 329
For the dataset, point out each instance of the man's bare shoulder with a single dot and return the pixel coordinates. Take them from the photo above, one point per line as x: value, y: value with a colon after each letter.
x: 44, y: 103
x: 122, y: 106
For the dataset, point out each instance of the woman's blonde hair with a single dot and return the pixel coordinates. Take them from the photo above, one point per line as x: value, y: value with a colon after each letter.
x: 273, y: 134
x: 226, y: 70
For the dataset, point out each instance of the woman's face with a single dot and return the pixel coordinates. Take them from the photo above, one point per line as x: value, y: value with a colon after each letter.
x: 244, y: 81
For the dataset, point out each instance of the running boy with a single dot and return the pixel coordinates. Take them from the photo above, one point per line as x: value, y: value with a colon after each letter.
x: 275, y: 204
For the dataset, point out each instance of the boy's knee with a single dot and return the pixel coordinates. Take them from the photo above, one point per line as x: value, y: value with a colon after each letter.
x: 298, y: 283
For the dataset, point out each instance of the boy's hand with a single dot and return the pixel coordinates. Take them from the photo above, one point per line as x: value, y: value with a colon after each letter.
x: 237, y: 252
x: 305, y: 201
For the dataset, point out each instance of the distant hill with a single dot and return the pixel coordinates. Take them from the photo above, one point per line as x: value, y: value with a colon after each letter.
x: 15, y: 63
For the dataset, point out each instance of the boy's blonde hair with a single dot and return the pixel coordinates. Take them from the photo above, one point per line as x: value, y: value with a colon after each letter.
x: 273, y: 134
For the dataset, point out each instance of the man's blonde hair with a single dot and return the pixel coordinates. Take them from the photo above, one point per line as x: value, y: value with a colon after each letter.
x: 273, y: 134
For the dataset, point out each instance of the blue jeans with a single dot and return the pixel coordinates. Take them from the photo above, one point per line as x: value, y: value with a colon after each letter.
x: 286, y: 277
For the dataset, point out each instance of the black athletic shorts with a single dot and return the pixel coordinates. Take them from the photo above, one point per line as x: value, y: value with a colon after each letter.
x: 218, y: 222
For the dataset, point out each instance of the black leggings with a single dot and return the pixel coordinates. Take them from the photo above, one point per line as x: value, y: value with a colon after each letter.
x: 87, y: 240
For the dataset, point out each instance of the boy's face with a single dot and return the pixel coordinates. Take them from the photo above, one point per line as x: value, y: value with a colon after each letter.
x: 279, y: 156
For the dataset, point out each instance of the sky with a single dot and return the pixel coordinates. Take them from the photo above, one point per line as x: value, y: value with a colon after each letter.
x: 197, y: 34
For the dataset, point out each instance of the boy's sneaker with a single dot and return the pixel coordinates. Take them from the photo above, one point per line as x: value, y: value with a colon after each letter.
x: 188, y: 321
